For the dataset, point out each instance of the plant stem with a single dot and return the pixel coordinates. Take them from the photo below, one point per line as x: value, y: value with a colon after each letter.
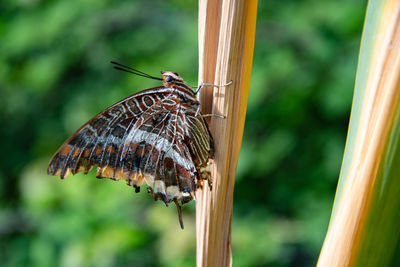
x: 226, y: 43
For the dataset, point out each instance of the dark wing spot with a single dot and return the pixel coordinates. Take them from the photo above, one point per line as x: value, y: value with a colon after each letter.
x: 169, y: 163
x: 148, y: 100
x: 157, y: 118
x: 77, y: 140
x: 133, y: 107
x: 99, y: 124
x: 118, y: 131
x: 116, y: 111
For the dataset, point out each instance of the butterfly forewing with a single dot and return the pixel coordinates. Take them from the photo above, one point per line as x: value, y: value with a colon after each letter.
x: 155, y: 137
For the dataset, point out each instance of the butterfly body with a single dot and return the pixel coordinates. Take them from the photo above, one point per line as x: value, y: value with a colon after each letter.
x: 156, y: 137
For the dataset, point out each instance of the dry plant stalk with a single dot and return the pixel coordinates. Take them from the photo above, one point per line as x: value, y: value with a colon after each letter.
x: 226, y: 43
x: 379, y: 106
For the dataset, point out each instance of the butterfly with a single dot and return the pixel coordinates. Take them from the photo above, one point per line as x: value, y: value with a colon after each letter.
x: 156, y: 137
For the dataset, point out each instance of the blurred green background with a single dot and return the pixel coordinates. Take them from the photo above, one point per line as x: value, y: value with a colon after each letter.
x: 55, y: 75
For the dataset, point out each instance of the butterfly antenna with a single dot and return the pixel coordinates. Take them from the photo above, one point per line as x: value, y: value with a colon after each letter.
x: 133, y: 71
x: 127, y: 67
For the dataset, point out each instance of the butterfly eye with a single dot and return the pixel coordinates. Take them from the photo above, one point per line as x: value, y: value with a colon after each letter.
x: 169, y: 79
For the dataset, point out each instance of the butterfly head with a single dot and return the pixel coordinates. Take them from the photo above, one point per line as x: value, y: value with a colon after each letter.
x: 172, y: 79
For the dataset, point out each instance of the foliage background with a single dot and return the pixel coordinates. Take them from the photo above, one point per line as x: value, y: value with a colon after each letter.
x: 55, y: 75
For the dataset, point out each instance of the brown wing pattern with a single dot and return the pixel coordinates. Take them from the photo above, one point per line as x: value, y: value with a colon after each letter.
x: 149, y: 137
x: 201, y: 145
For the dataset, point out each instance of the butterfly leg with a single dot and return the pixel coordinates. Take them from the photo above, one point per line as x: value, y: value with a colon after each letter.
x: 208, y: 115
x: 214, y: 115
x: 201, y: 85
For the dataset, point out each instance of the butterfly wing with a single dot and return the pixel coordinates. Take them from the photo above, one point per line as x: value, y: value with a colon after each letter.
x: 144, y: 138
x: 200, y: 144
x: 165, y: 160
x: 86, y: 147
